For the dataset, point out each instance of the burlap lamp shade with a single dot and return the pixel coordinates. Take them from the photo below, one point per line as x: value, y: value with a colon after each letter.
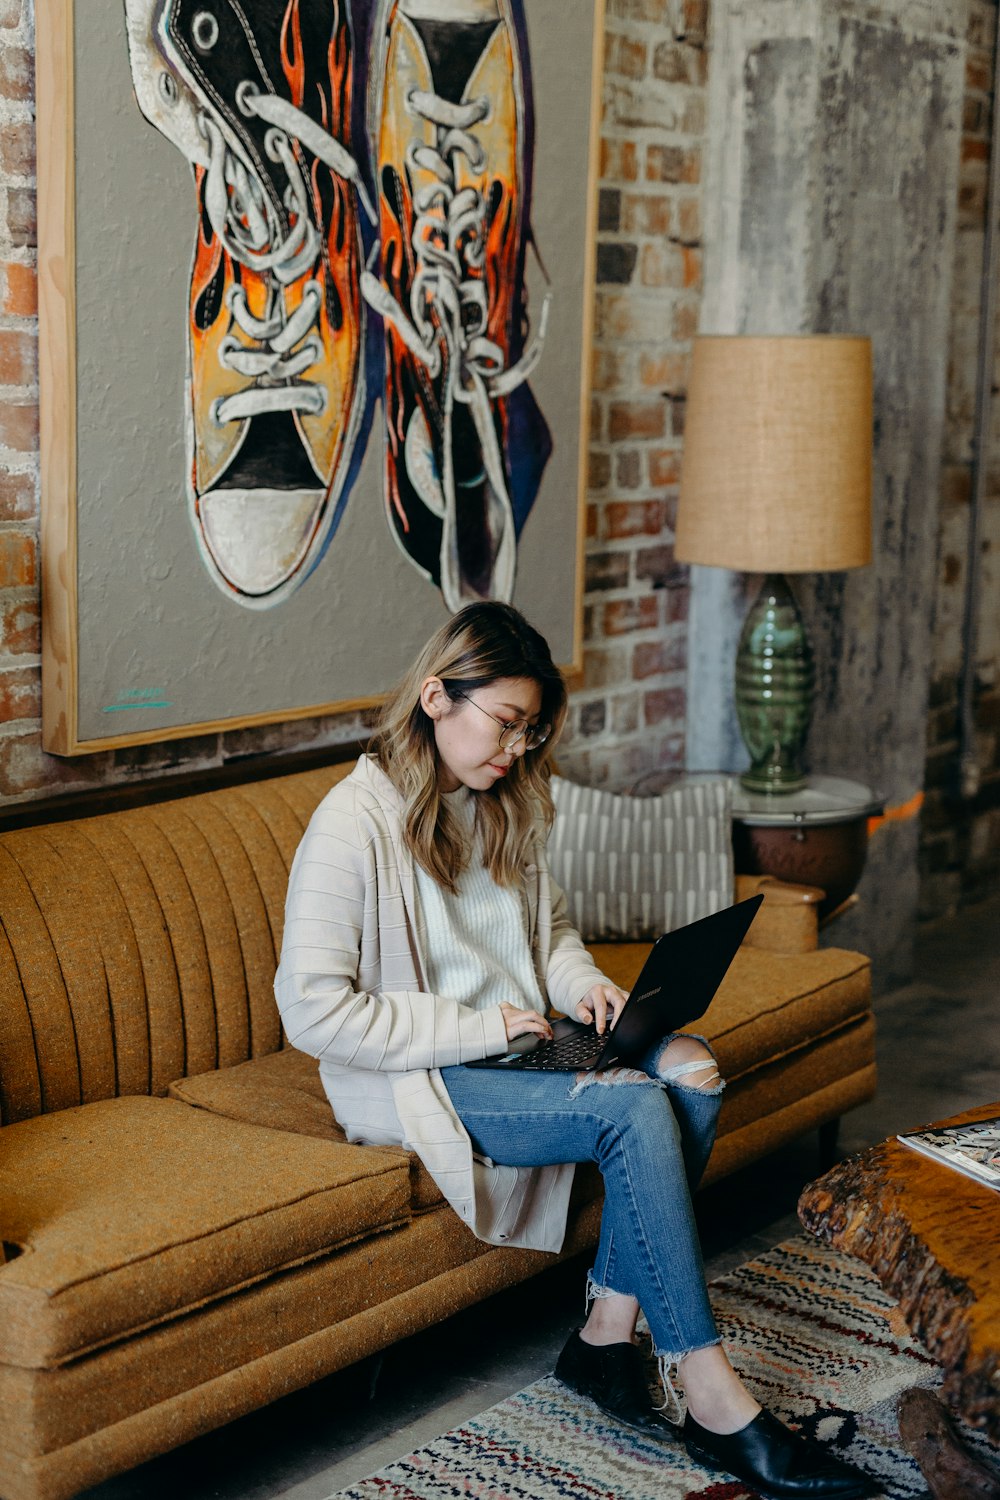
x: 776, y: 478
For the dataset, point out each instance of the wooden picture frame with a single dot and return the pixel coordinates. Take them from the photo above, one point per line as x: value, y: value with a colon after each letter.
x: 122, y: 607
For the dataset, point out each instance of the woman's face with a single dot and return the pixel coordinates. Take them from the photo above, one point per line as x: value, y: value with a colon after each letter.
x: 467, y: 733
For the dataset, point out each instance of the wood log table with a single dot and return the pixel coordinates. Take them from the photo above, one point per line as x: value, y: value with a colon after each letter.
x: 932, y: 1237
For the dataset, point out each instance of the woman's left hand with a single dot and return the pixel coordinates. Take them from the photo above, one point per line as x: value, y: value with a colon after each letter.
x: 601, y: 1004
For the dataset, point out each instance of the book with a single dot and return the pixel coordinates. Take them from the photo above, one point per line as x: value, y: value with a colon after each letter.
x: 973, y: 1148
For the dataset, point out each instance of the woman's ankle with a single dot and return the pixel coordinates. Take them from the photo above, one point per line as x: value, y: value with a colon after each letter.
x: 716, y: 1396
x: 611, y: 1320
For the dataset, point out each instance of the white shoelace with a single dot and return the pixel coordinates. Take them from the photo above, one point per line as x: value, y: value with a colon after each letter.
x: 442, y: 280
x: 244, y: 222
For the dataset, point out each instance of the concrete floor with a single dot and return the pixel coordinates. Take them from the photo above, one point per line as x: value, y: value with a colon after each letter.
x: 939, y: 1052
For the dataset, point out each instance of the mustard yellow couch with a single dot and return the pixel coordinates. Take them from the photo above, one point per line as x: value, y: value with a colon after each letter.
x: 186, y: 1234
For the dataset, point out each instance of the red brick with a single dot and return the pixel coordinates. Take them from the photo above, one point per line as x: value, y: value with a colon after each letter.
x: 638, y: 419
x: 605, y: 668
x: 19, y: 426
x: 678, y: 603
x: 622, y: 616
x: 665, y: 372
x: 18, y: 567
x: 626, y: 316
x: 22, y: 220
x: 10, y: 14
x: 606, y: 570
x: 20, y: 694
x: 694, y: 118
x: 592, y: 521
x: 692, y: 266
x: 977, y: 73
x: 685, y: 323
x: 671, y: 63
x: 695, y: 19
x: 18, y: 357
x: 647, y: 213
x: 596, y: 421
x: 17, y: 150
x: 974, y: 150
x: 609, y: 369
x: 665, y: 704
x: 661, y: 264
x: 24, y: 766
x: 21, y: 295
x: 20, y: 627
x: 17, y: 496
x: 649, y: 659
x: 689, y: 220
x: 625, y: 713
x: 17, y: 73
x: 634, y: 518
x: 619, y: 161
x: 624, y: 56
x: 599, y: 471
x: 664, y: 466
x: 672, y: 164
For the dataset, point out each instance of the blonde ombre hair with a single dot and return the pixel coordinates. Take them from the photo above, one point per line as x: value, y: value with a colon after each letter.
x: 478, y: 646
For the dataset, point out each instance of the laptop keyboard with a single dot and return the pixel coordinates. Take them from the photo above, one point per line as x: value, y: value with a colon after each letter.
x: 563, y: 1054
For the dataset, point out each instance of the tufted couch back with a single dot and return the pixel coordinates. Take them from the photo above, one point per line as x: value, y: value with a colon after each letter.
x: 139, y: 947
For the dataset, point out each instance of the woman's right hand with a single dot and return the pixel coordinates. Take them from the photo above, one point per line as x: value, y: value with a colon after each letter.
x: 524, y: 1022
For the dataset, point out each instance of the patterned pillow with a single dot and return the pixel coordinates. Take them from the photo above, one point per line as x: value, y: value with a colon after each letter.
x: 633, y: 867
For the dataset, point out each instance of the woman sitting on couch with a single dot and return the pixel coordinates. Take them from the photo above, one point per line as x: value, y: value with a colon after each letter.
x: 423, y: 931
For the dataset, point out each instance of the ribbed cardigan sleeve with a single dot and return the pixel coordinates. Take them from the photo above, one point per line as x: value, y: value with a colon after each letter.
x: 345, y: 933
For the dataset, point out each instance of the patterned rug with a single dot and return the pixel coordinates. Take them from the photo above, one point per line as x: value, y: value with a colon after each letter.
x: 814, y: 1336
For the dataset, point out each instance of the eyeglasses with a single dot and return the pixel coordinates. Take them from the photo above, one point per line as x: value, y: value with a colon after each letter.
x: 512, y: 733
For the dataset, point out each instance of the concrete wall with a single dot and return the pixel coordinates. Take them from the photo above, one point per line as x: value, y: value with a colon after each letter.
x: 834, y: 143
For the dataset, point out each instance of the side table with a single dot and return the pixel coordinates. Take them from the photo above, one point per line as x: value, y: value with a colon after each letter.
x: 817, y: 836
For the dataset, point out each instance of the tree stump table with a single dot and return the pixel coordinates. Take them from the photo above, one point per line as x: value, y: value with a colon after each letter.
x: 932, y: 1237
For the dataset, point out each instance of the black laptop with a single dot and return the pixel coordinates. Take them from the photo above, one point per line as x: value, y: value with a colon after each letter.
x: 677, y: 984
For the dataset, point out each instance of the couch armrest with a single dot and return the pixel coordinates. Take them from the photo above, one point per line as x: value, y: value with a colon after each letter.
x: 786, y: 922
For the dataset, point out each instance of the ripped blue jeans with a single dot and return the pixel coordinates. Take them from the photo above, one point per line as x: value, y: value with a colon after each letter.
x: 650, y: 1138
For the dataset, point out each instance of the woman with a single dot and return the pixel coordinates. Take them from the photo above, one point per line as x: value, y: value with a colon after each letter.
x: 423, y: 931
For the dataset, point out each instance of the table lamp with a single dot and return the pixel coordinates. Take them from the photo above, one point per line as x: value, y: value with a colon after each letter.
x: 776, y: 479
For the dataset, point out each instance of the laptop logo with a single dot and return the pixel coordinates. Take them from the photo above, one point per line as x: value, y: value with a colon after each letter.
x: 646, y: 993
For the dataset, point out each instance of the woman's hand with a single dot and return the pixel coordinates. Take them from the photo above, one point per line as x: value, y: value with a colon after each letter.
x: 601, y: 1004
x: 524, y: 1022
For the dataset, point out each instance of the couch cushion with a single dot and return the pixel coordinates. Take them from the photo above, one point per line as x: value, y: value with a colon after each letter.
x: 769, y: 1003
x: 285, y: 1092
x: 633, y: 867
x: 131, y: 1211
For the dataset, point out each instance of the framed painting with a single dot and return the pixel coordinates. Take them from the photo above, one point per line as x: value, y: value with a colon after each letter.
x: 315, y: 289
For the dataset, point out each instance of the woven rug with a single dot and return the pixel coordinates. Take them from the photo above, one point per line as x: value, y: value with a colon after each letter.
x: 810, y: 1330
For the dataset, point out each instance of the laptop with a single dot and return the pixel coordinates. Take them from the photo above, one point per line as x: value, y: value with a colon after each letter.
x: 677, y: 985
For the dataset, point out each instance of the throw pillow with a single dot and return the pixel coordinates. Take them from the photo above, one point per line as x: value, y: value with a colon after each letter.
x: 635, y: 867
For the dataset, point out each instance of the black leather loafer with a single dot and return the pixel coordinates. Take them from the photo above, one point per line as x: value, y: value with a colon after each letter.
x: 779, y: 1464
x: 612, y: 1376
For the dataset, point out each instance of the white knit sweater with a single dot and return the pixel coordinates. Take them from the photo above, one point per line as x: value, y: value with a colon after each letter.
x: 477, y: 949
x: 352, y: 992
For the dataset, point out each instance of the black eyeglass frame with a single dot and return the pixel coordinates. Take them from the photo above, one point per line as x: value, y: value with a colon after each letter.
x: 534, y: 735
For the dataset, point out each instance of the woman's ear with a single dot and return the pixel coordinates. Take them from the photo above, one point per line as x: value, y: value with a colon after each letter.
x: 433, y: 699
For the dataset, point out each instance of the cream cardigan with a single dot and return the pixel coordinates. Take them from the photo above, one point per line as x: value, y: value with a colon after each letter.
x: 349, y: 988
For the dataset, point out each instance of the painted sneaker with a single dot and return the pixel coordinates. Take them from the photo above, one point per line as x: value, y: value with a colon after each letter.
x: 258, y: 98
x: 451, y: 123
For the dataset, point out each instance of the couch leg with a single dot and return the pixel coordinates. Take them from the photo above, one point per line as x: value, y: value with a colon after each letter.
x: 828, y: 1134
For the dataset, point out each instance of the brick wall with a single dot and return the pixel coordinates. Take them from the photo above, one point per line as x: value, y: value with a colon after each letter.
x: 960, y: 847
x: 628, y: 717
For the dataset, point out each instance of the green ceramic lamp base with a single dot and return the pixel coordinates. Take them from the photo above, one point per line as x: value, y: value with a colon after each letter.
x: 774, y: 688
